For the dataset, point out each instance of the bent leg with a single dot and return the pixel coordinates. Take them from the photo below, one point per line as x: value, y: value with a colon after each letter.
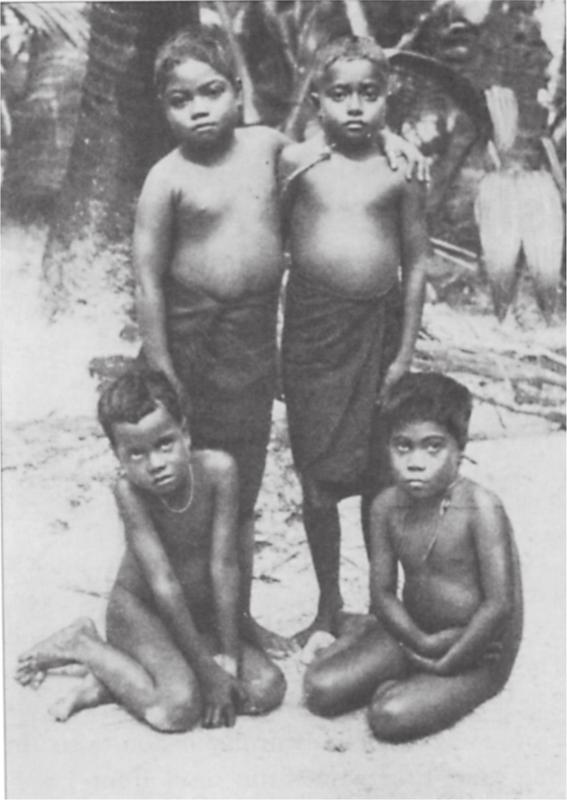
x: 347, y: 673
x: 264, y: 682
x: 423, y: 704
x: 155, y: 684
x: 322, y: 527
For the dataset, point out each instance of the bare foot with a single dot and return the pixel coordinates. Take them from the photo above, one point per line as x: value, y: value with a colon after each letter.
x: 319, y: 625
x: 58, y: 650
x: 316, y: 646
x: 272, y: 643
x: 89, y: 693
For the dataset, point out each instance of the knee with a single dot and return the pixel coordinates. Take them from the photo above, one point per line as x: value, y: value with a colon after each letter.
x: 174, y: 712
x: 319, y: 691
x: 265, y: 691
x: 387, y: 714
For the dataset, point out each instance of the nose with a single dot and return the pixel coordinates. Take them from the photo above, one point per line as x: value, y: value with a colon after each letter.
x: 415, y: 461
x: 156, y: 462
x: 199, y: 107
x: 354, y: 105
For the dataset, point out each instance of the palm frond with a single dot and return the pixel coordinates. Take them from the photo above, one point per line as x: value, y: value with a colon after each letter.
x: 68, y: 20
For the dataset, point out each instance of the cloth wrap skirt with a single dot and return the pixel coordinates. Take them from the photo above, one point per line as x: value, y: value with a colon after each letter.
x: 335, y: 352
x: 224, y: 353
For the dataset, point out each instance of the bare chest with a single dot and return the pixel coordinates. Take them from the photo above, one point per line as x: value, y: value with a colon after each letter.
x: 440, y: 542
x: 346, y: 186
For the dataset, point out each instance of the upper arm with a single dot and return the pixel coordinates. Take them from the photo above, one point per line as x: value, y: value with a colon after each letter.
x: 288, y: 162
x: 415, y: 239
x: 224, y: 533
x: 383, y: 561
x: 153, y: 227
x: 492, y: 538
x: 143, y: 540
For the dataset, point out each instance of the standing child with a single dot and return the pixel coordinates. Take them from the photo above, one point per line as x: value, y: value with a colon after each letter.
x: 208, y: 259
x: 450, y: 643
x: 173, y: 654
x: 350, y: 323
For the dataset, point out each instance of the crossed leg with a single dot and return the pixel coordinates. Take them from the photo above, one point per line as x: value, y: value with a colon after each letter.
x: 347, y: 673
x: 423, y: 703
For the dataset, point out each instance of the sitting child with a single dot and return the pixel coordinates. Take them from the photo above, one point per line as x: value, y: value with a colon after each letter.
x: 173, y: 654
x: 450, y: 643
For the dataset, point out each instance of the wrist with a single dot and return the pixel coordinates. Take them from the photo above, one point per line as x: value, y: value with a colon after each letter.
x: 228, y: 663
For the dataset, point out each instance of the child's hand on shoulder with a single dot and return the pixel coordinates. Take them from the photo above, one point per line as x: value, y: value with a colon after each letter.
x: 396, y: 147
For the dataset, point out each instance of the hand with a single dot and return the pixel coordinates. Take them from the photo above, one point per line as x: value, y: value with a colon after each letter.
x: 396, y: 147
x: 434, y: 666
x: 393, y: 374
x: 436, y: 644
x: 222, y: 695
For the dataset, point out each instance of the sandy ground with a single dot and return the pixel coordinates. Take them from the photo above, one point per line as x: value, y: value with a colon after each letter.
x: 61, y: 543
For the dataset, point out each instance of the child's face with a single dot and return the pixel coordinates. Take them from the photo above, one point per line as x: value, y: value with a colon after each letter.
x: 424, y: 458
x: 200, y: 104
x: 352, y: 102
x: 154, y: 453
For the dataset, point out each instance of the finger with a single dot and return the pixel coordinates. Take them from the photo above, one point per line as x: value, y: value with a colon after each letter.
x: 410, y: 168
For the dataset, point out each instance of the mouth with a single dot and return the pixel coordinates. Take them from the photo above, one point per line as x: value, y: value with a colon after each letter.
x: 164, y: 481
x: 415, y: 484
x: 204, y: 127
x: 355, y: 126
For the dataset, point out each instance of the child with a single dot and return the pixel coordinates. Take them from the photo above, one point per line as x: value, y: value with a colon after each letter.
x: 208, y: 261
x: 173, y: 653
x: 350, y: 325
x: 450, y: 643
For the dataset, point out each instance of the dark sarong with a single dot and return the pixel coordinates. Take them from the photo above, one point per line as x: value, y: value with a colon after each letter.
x: 336, y: 350
x: 224, y: 353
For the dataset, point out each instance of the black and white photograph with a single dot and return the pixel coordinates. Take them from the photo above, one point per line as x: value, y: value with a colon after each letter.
x: 283, y: 399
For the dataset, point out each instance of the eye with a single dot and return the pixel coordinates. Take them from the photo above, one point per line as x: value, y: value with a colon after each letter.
x: 214, y: 90
x: 401, y: 447
x: 371, y: 93
x: 165, y: 445
x: 434, y: 447
x: 135, y: 455
x: 177, y: 100
x: 337, y: 95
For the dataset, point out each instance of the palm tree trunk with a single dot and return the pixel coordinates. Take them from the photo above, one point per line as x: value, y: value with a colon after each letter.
x: 119, y: 135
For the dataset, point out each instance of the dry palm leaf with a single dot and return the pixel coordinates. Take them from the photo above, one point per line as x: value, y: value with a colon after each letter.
x: 497, y: 216
x: 542, y: 230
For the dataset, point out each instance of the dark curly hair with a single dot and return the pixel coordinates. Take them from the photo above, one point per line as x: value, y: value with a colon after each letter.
x: 432, y: 397
x: 208, y: 44
x: 134, y: 395
x: 351, y: 48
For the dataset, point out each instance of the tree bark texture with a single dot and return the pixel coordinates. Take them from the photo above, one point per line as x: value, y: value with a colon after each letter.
x: 119, y: 135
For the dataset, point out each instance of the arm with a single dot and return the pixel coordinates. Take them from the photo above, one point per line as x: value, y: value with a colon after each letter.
x: 142, y: 538
x: 416, y: 252
x: 491, y: 531
x: 384, y: 578
x: 153, y: 231
x: 225, y: 572
x: 383, y: 583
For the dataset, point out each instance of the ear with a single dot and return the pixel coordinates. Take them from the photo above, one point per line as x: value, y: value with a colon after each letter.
x: 315, y: 99
x: 185, y: 432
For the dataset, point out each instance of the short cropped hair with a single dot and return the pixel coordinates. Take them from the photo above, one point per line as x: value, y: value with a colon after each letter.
x: 430, y: 397
x: 134, y: 395
x: 351, y: 48
x: 207, y: 44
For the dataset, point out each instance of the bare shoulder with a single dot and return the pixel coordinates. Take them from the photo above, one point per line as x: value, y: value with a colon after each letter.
x: 263, y: 137
x: 164, y: 175
x: 385, y: 502
x: 485, y: 507
x: 217, y: 466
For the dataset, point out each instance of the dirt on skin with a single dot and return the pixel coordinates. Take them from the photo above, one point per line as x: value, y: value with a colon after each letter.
x: 62, y: 541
